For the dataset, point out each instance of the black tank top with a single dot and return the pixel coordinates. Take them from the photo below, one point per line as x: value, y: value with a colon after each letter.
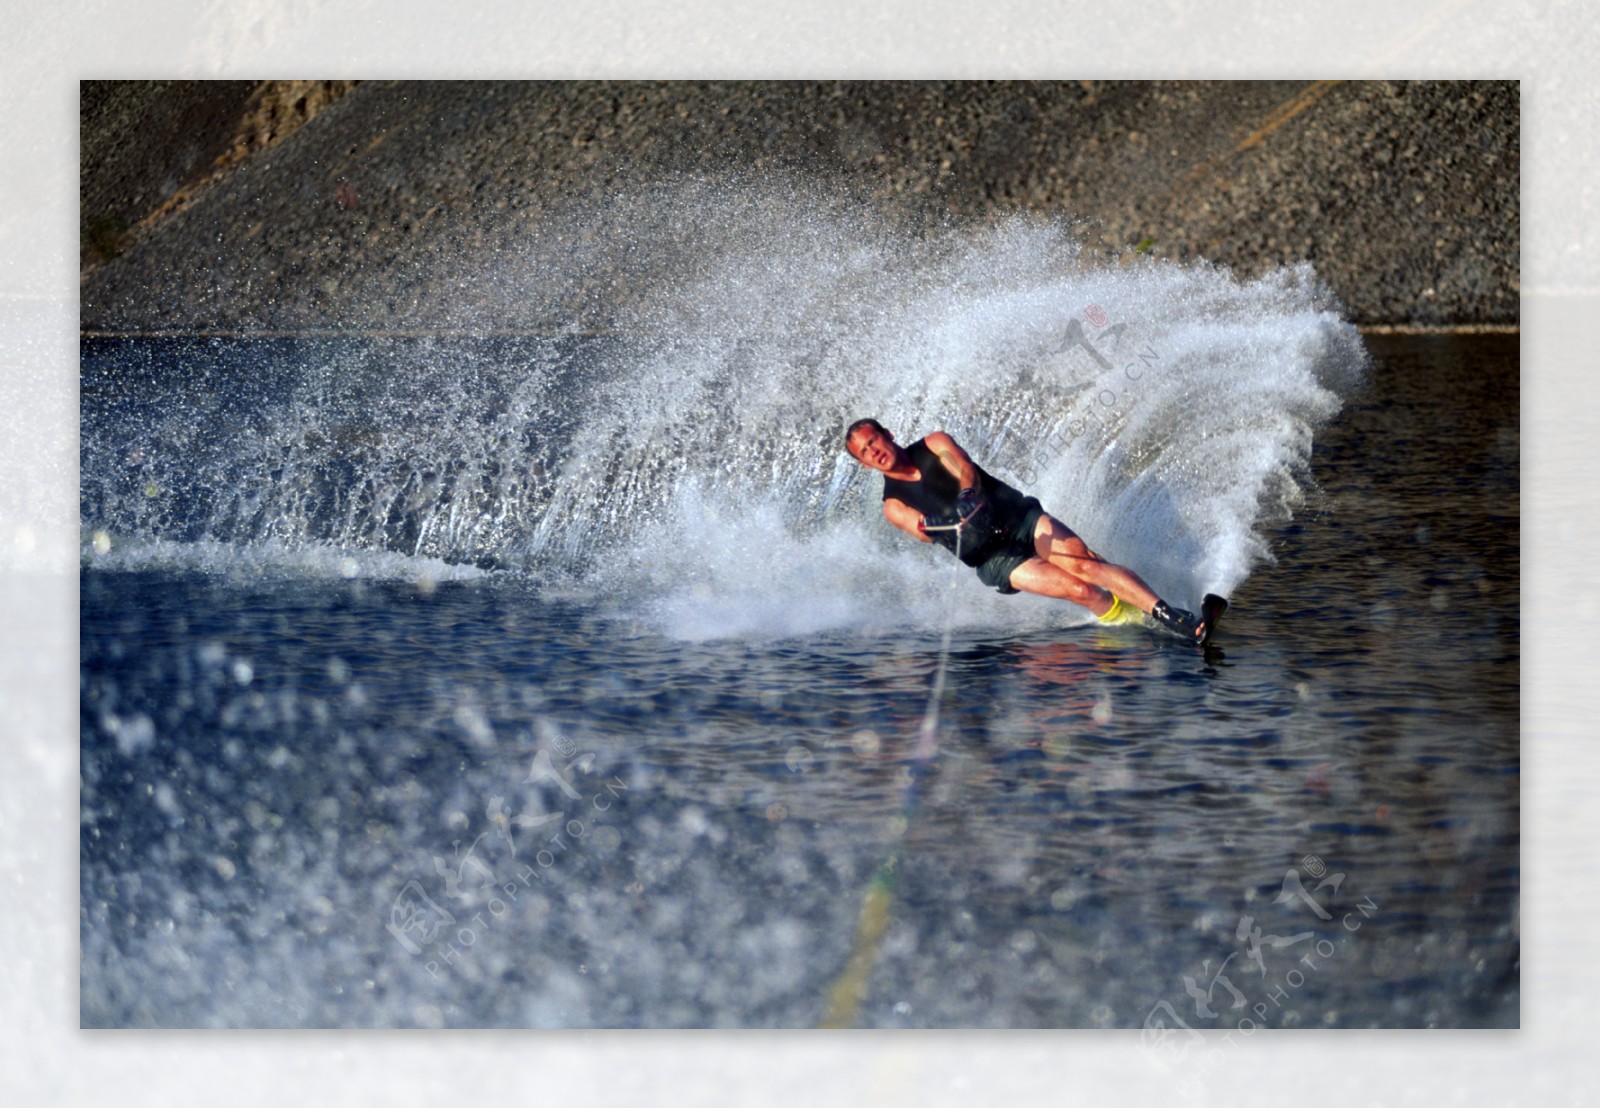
x: 935, y: 495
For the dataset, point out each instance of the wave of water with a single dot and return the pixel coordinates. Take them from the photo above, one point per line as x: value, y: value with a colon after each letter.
x: 273, y: 560
x: 689, y: 459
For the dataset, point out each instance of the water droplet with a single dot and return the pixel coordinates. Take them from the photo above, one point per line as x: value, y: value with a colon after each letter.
x: 693, y: 821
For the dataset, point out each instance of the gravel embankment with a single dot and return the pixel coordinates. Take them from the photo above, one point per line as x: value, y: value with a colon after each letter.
x: 1405, y: 196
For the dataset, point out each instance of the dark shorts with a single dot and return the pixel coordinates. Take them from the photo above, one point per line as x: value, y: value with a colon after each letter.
x: 1012, y: 549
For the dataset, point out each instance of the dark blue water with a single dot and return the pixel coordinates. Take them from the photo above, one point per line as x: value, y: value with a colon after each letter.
x: 336, y: 774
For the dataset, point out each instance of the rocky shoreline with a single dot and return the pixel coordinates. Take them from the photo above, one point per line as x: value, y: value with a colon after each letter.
x: 317, y: 206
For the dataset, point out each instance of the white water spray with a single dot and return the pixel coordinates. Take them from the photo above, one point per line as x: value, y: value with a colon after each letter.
x: 691, y: 464
x: 1164, y: 412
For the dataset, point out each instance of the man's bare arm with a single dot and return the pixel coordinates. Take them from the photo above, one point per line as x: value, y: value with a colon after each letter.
x: 906, y: 518
x: 953, y: 458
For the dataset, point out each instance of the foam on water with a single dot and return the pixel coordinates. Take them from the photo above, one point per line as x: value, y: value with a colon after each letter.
x: 765, y: 579
x: 271, y: 559
x: 690, y: 464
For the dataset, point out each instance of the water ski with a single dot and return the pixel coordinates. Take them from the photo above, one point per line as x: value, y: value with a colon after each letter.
x: 1181, y: 623
x: 1211, y: 609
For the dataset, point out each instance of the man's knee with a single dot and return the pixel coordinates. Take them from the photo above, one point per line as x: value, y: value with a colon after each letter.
x: 1083, y: 592
x: 1084, y: 566
x: 1068, y: 588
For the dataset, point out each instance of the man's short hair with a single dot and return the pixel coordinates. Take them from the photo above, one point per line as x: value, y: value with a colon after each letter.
x: 850, y: 431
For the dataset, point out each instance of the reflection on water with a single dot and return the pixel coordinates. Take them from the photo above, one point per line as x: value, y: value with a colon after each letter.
x: 315, y: 801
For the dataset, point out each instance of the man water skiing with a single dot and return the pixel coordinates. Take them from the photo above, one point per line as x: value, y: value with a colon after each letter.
x: 935, y: 492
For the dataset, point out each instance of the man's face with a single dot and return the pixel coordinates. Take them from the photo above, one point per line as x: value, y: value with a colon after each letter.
x: 874, y: 449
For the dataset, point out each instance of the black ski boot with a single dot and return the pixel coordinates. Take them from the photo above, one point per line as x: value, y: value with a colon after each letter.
x: 1179, y: 621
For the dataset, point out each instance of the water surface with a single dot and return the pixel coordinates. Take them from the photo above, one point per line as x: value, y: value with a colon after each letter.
x: 273, y: 751
x: 565, y: 681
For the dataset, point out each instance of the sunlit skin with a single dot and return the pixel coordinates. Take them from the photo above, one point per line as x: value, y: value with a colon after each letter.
x: 1063, y: 566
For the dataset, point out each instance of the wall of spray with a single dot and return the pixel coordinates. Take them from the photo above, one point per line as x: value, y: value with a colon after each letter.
x: 682, y: 455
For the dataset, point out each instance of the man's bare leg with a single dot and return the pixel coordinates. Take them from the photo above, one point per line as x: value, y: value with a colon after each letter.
x: 1048, y: 580
x: 1060, y: 546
